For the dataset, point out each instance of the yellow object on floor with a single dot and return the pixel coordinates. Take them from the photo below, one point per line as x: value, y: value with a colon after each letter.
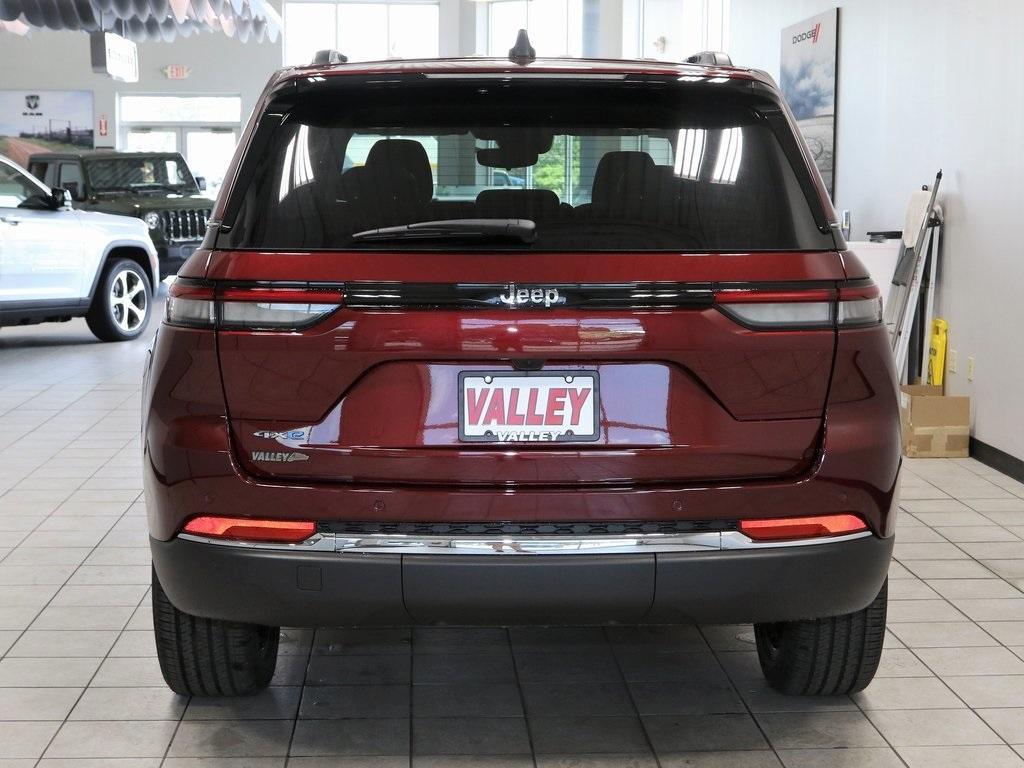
x: 937, y: 352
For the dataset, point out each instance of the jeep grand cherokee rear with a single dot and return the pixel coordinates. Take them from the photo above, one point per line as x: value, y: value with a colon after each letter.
x: 648, y: 385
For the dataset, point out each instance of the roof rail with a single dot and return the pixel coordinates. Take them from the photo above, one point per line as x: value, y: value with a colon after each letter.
x: 710, y: 59
x: 328, y: 56
x: 522, y: 52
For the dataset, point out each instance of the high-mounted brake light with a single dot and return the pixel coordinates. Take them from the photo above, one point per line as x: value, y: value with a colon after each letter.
x: 786, y: 528
x: 250, y: 529
x: 256, y: 307
x: 796, y: 309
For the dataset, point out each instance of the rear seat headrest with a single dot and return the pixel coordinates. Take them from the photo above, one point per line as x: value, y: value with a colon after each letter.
x: 518, y: 203
x: 395, y: 158
x: 621, y: 173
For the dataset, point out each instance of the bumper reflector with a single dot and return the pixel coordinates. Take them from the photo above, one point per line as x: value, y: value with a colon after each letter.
x: 250, y: 529
x: 783, y: 528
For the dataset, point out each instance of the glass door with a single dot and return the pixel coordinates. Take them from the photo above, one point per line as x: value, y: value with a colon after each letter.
x: 204, y: 129
x: 151, y: 140
x: 208, y: 152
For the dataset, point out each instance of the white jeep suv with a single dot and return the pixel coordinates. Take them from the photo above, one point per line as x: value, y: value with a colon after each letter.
x: 57, y: 263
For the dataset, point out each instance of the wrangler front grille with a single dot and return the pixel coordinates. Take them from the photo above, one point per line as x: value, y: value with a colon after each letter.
x: 186, y: 224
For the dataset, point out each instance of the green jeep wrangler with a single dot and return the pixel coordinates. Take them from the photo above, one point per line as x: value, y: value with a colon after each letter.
x: 157, y: 187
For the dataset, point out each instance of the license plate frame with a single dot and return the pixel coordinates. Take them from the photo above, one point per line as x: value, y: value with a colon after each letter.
x: 567, y: 376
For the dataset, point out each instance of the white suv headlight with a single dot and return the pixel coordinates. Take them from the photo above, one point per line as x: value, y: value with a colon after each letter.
x: 152, y: 220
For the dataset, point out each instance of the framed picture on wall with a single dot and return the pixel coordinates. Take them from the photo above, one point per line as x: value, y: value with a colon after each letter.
x: 44, y: 121
x: 810, y: 59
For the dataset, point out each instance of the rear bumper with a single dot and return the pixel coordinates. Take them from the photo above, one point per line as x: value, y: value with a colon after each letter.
x: 325, y: 588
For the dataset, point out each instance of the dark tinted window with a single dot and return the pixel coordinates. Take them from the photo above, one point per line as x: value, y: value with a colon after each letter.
x: 607, y: 165
x: 71, y: 180
x: 131, y: 173
x: 45, y: 172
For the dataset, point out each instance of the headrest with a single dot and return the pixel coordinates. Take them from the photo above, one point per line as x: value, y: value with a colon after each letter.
x: 395, y: 157
x: 621, y: 173
x: 517, y: 203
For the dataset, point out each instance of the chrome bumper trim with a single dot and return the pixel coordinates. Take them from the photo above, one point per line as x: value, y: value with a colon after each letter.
x: 643, y: 543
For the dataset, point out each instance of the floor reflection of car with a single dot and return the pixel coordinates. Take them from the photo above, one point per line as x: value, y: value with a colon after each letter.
x: 57, y: 263
x: 157, y: 187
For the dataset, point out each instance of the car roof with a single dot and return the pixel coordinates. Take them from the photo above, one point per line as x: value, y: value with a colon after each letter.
x: 574, y: 67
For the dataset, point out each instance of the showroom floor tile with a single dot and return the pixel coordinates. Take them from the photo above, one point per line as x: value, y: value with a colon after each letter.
x: 80, y: 685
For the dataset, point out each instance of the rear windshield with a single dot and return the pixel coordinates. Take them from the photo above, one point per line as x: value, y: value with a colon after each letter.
x: 610, y: 165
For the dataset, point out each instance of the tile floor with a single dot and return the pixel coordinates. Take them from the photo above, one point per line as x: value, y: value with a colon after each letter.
x: 80, y: 686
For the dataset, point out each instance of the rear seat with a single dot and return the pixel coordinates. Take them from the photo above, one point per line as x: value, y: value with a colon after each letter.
x: 518, y: 204
x: 395, y: 186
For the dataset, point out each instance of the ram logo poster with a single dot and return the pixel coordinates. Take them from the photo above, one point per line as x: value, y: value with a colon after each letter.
x: 44, y: 121
x: 809, y: 62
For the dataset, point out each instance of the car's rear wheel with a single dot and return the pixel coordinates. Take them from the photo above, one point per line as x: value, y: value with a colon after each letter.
x: 120, y: 306
x: 208, y: 657
x: 824, y: 657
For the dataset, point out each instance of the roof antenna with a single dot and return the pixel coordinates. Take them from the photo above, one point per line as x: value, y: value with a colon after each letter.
x: 522, y: 52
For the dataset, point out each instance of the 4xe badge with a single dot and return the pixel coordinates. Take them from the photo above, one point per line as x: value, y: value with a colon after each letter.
x: 531, y: 296
x: 291, y: 438
x: 290, y: 434
x: 279, y: 457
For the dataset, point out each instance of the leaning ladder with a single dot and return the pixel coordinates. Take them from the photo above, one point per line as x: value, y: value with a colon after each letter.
x: 904, y: 295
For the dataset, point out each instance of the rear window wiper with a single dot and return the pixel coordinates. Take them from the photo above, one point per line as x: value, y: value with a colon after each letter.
x: 523, y: 230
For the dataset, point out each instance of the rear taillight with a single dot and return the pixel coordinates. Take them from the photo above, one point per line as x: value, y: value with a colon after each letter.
x: 250, y: 529
x: 859, y: 306
x: 256, y: 307
x: 190, y: 305
x: 786, y: 528
x: 817, y: 308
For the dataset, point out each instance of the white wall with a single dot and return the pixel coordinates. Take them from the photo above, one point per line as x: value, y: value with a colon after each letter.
x: 925, y: 84
x: 60, y: 61
x: 220, y: 65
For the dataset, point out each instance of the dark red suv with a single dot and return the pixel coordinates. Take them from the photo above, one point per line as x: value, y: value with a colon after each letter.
x: 549, y: 342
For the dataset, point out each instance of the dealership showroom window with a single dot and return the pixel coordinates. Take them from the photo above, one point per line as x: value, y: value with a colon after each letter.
x: 576, y: 383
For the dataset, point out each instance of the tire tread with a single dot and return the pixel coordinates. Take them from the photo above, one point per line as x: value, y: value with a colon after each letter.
x: 824, y: 657
x: 209, y: 657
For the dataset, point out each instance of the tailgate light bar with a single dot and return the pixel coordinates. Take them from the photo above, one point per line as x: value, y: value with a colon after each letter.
x: 295, y: 306
x: 785, y: 528
x: 278, y: 307
x: 250, y: 529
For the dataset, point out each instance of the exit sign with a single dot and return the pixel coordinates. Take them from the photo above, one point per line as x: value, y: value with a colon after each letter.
x: 177, y: 71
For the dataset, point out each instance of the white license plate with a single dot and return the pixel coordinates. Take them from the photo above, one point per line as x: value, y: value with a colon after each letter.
x: 547, y: 406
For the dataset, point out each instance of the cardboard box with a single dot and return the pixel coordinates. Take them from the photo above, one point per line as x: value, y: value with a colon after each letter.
x: 933, y: 424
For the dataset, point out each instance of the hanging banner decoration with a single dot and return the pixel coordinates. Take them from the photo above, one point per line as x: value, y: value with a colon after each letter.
x: 808, y: 81
x: 44, y: 121
x: 146, y: 20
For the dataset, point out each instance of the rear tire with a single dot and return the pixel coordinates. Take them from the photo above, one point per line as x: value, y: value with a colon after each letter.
x: 824, y: 657
x: 209, y: 657
x: 121, y: 305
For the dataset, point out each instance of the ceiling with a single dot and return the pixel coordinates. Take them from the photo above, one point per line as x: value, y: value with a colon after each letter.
x: 145, y: 20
